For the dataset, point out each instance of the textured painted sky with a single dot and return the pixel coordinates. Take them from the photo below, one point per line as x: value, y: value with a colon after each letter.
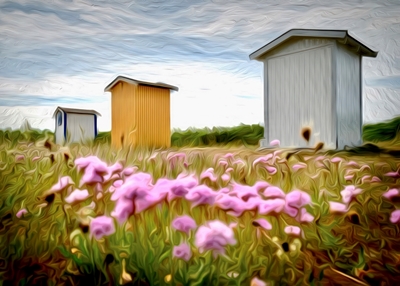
x: 65, y: 53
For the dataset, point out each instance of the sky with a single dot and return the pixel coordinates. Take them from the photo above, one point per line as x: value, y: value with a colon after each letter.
x: 65, y: 52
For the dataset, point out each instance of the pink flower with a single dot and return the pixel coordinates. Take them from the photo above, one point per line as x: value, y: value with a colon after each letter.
x: 293, y: 230
x: 229, y: 155
x: 62, y: 184
x: 353, y: 164
x: 375, y: 179
x: 201, y: 195
x: 336, y: 160
x: 101, y: 226
x: 263, y: 160
x: 225, y: 177
x: 349, y: 192
x: 35, y: 158
x: 209, y: 173
x: 181, y: 186
x: 393, y: 174
x: 19, y: 158
x: 391, y: 193
x: 263, y: 223
x: 257, y: 282
x: 129, y: 171
x: 21, y: 212
x: 268, y: 206
x: 275, y: 143
x: 274, y: 192
x: 140, y: 182
x: 337, y: 207
x: 77, y: 196
x: 271, y: 170
x: 123, y: 209
x: 349, y: 177
x: 184, y: 224
x: 395, y: 216
x: 299, y: 166
x: 116, y: 168
x: 182, y: 251
x: 304, y: 216
x: 297, y: 199
x: 214, y: 236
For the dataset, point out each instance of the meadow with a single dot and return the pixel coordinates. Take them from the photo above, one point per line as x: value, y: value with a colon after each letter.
x: 211, y: 210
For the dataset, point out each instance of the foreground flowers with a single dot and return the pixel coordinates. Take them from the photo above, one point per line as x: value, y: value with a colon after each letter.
x: 214, y: 236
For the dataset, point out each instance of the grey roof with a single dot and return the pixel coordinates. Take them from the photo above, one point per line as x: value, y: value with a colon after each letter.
x: 75, y: 110
x: 139, y: 82
x: 341, y: 35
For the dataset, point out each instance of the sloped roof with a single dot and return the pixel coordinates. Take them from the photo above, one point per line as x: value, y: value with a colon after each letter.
x: 75, y: 110
x: 139, y: 82
x: 341, y: 35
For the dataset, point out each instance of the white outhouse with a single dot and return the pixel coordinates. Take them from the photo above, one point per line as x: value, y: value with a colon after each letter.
x: 75, y: 125
x: 313, y: 79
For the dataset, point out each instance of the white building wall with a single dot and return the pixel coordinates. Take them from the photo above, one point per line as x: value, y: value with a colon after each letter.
x: 80, y: 127
x: 299, y: 93
x: 349, y: 108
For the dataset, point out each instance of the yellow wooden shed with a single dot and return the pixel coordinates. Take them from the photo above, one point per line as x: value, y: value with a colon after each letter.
x: 140, y: 113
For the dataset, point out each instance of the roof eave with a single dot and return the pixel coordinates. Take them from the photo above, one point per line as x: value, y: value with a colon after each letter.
x: 132, y: 81
x: 333, y: 34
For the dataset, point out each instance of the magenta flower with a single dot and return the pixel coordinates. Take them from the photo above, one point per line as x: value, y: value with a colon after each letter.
x: 184, y: 224
x: 337, y: 207
x: 77, y: 196
x: 395, y: 216
x: 214, y: 236
x: 391, y: 193
x: 101, y: 226
x: 273, y: 205
x: 353, y: 164
x: 349, y: 177
x: 244, y: 192
x: 263, y: 223
x: 182, y: 251
x: 137, y: 183
x: 293, y: 230
x: 62, y: 184
x: 274, y: 192
x: 299, y: 166
x: 201, y: 195
x: 21, y: 212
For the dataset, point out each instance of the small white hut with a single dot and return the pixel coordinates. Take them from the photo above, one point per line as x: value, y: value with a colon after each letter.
x: 75, y: 125
x: 313, y: 79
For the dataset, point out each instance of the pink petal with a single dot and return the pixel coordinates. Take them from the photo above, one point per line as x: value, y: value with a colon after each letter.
x: 275, y: 142
x: 263, y: 223
x: 395, y: 216
x: 294, y: 230
x: 21, y: 212
x: 337, y: 207
x: 391, y: 193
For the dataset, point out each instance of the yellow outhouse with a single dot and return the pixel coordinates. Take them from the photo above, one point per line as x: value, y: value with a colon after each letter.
x: 140, y: 113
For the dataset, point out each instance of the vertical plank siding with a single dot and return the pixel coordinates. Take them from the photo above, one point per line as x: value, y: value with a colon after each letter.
x: 80, y: 127
x: 349, y: 109
x: 141, y: 114
x: 300, y: 95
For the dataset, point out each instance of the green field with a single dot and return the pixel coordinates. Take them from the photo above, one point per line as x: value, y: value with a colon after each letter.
x: 122, y: 231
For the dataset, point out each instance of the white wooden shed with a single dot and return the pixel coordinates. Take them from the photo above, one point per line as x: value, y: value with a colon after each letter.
x: 75, y: 125
x: 313, y: 79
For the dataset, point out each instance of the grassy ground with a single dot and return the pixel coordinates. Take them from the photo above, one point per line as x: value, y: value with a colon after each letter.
x: 52, y: 245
